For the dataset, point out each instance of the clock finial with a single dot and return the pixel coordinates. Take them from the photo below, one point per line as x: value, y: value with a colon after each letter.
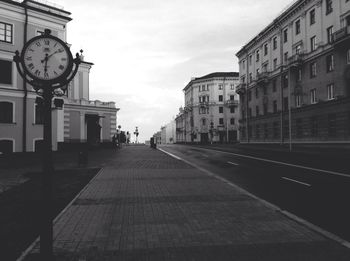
x: 47, y: 32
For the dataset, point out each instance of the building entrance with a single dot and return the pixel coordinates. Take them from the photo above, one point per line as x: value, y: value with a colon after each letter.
x: 204, y: 138
x: 93, y: 128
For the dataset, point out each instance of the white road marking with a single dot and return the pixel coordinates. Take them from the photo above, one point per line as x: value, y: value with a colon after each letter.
x: 232, y: 163
x: 284, y: 163
x: 296, y: 181
x: 170, y: 154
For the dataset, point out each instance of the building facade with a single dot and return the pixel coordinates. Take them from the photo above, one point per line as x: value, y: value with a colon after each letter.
x: 211, y: 109
x: 21, y: 121
x: 295, y: 76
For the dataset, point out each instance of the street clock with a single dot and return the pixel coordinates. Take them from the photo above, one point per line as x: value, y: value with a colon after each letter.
x: 46, y: 59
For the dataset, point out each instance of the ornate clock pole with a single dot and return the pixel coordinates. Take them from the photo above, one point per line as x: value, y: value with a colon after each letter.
x: 47, y: 64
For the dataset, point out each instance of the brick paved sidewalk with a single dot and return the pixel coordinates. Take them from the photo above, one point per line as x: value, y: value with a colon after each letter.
x: 146, y: 205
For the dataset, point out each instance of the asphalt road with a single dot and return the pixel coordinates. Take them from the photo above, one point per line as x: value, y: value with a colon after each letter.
x: 306, y: 186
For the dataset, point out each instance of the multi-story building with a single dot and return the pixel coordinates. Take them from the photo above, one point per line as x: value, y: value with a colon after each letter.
x: 210, y: 113
x: 295, y: 76
x: 21, y: 128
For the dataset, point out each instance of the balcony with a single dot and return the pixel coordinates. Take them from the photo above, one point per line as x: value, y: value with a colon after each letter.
x: 262, y: 78
x: 296, y: 60
x: 241, y: 88
x: 232, y: 103
x: 204, y: 104
x: 341, y: 35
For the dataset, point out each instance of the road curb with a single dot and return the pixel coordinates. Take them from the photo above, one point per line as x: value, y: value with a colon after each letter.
x: 295, y: 218
x: 32, y: 245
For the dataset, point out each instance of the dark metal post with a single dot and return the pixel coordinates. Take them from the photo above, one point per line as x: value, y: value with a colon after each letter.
x: 46, y: 230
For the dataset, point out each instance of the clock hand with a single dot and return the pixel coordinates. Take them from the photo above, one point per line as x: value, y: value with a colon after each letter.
x: 48, y: 56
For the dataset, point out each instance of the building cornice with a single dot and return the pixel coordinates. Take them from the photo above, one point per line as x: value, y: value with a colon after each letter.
x: 277, y: 24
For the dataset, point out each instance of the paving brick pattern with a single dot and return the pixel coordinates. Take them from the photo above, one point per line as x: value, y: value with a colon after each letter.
x: 145, y: 205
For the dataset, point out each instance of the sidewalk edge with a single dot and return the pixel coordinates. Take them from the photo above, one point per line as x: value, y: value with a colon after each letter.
x: 31, y: 246
x: 297, y: 219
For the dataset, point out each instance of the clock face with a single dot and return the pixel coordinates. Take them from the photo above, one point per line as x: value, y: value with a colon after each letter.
x: 46, y: 58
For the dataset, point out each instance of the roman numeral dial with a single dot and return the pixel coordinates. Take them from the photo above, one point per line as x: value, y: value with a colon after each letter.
x: 46, y: 58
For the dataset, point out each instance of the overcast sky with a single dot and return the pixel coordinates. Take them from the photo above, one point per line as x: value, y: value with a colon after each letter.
x: 146, y: 51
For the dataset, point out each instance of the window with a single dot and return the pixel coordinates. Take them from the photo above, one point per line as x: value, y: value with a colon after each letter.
x: 243, y: 64
x: 6, y: 146
x: 266, y: 133
x: 257, y: 72
x: 332, y: 125
x: 257, y: 131
x: 299, y: 128
x: 330, y: 34
x: 275, y: 63
x: 207, y: 87
x: 299, y: 76
x: 243, y: 79
x: 285, y: 104
x: 232, y: 109
x: 221, y: 109
x: 264, y: 67
x: 249, y: 112
x: 232, y: 121
x: 329, y: 6
x: 285, y: 80
x: 285, y: 35
x: 204, y: 121
x: 221, y: 98
x: 330, y: 63
x: 250, y: 77
x: 232, y: 97
x: 313, y: 43
x: 298, y: 100
x: 264, y: 90
x: 313, y: 98
x: 274, y: 104
x: 6, y: 32
x: 221, y: 121
x: 249, y: 95
x: 313, y: 70
x: 265, y: 108
x: 220, y: 86
x: 266, y: 49
x: 312, y: 17
x: 274, y: 85
x: 6, y: 112
x: 330, y: 91
x: 297, y: 27
x: 39, y: 115
x: 256, y: 93
x: 275, y: 129
x: 232, y: 86
x: 257, y: 110
x: 257, y: 55
x: 6, y: 72
x: 274, y: 43
x: 285, y: 127
x: 286, y: 57
x: 298, y: 49
x: 314, y: 126
x: 250, y: 59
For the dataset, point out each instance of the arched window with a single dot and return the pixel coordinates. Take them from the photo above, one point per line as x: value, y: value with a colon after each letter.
x: 6, y: 146
x: 6, y: 112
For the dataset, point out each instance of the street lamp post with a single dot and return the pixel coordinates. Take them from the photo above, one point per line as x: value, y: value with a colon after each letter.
x: 49, y: 77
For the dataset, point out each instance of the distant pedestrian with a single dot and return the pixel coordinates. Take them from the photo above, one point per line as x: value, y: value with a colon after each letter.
x: 128, y: 136
x: 114, y: 141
